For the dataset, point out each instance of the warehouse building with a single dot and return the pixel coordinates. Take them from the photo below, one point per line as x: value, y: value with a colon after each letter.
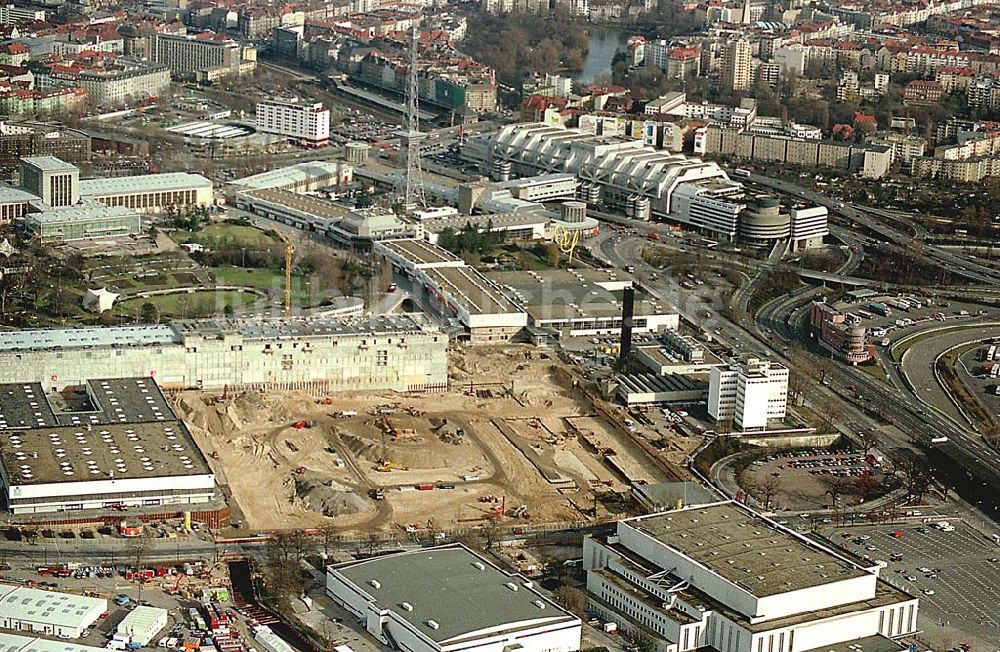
x: 398, y: 353
x: 47, y: 612
x: 723, y: 577
x: 447, y: 599
x: 650, y: 389
x: 14, y: 643
x: 142, y: 624
x: 115, y: 442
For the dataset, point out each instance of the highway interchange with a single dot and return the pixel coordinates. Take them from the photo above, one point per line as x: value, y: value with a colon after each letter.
x: 781, y: 321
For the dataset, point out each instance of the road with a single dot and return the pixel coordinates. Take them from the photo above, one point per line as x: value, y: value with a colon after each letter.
x: 954, y: 262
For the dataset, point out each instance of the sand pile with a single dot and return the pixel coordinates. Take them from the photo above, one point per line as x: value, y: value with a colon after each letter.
x: 329, y: 498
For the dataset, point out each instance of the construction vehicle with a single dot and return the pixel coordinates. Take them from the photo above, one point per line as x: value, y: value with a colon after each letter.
x: 299, y: 470
x: 377, y: 494
x: 289, y: 250
x: 412, y: 411
x: 386, y: 466
x: 302, y: 425
x: 326, y: 400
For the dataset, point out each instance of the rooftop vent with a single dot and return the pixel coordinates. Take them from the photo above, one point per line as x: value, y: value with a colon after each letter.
x: 480, y: 565
x: 528, y: 584
x: 511, y: 586
x: 433, y: 624
x: 406, y: 606
x: 539, y: 604
x: 375, y: 584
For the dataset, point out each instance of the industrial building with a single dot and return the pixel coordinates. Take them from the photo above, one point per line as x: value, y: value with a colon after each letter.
x: 750, y: 391
x: 456, y: 289
x: 581, y: 302
x: 400, y: 353
x: 301, y: 177
x: 721, y: 576
x: 306, y: 123
x: 14, y: 643
x: 116, y: 442
x: 449, y: 598
x: 142, y: 624
x: 649, y: 389
x: 51, y: 613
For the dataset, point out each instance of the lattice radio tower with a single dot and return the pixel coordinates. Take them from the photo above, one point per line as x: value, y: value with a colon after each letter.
x: 410, y: 136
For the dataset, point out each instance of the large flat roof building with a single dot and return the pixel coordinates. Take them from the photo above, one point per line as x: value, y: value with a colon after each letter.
x: 15, y: 643
x: 726, y: 577
x: 401, y: 353
x: 116, y: 443
x: 46, y: 612
x: 449, y: 598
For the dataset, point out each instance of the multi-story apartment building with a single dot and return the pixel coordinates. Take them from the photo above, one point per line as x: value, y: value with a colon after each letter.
x: 308, y: 123
x: 205, y: 55
x: 751, y: 392
x: 109, y: 80
x: 737, y: 66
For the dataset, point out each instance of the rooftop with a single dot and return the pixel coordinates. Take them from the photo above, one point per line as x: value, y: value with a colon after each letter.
x: 15, y: 195
x: 107, y: 452
x: 290, y: 175
x: 112, y: 400
x: 746, y: 549
x: 55, y: 338
x: 13, y: 643
x: 49, y: 164
x: 421, y: 252
x: 303, y: 203
x: 145, y: 183
x: 141, y: 618
x: 417, y: 578
x: 49, y: 607
x: 472, y: 290
x: 655, y: 383
x: 80, y: 214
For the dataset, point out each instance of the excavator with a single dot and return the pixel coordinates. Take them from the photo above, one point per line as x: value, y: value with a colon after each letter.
x: 386, y: 465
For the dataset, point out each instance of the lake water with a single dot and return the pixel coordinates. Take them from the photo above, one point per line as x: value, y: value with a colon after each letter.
x: 604, y: 42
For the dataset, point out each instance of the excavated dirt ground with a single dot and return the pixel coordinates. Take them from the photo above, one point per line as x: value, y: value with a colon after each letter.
x: 516, y: 446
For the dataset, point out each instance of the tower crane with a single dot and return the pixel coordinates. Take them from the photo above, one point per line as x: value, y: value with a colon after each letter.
x: 289, y: 250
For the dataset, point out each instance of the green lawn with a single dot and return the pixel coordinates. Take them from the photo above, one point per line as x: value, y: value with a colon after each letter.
x: 189, y: 304
x: 234, y: 234
x: 269, y: 280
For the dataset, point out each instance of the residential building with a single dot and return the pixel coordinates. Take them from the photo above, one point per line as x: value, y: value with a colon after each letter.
x: 204, y: 56
x: 110, y: 80
x: 750, y: 392
x: 721, y: 576
x: 737, y: 66
x: 307, y: 123
x: 922, y: 91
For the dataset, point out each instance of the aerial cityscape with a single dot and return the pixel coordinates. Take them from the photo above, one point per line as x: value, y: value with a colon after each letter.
x: 500, y: 325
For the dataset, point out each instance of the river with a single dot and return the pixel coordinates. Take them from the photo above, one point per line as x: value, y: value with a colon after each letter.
x: 604, y: 43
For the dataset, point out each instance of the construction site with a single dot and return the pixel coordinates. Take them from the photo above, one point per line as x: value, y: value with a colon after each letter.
x: 512, y: 441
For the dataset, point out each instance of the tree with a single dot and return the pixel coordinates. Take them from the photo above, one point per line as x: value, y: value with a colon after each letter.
x: 284, y: 581
x: 552, y: 254
x: 573, y: 599
x: 148, y: 313
x: 867, y: 486
x: 868, y: 439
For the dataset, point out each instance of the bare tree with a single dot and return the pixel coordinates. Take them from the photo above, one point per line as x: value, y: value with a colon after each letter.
x: 868, y: 439
x: 573, y: 598
x: 283, y: 573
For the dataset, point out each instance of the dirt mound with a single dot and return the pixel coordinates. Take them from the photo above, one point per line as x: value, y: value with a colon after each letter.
x: 329, y: 498
x: 421, y: 453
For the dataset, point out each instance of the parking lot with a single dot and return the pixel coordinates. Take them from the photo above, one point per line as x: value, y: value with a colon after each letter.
x: 956, y: 574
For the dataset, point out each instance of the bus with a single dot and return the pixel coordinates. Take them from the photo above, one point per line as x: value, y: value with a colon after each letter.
x: 741, y: 172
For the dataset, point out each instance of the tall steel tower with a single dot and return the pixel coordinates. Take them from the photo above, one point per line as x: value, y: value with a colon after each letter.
x: 410, y: 136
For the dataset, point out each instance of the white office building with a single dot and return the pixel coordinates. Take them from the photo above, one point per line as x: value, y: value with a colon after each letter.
x: 751, y: 392
x: 809, y: 226
x: 721, y: 576
x: 48, y: 612
x: 448, y: 598
x: 307, y: 123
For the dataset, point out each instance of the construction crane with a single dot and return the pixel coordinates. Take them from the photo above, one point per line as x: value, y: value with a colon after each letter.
x: 289, y: 250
